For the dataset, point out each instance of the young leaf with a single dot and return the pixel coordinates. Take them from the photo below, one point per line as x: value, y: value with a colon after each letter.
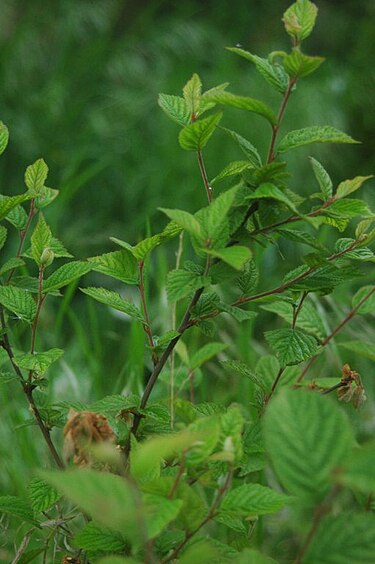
x: 232, y: 169
x: 192, y: 94
x: 323, y: 178
x: 348, y: 186
x: 291, y: 346
x: 307, y: 436
x: 96, y: 538
x: 11, y: 264
x: 141, y: 250
x: 45, y: 197
x: 214, y: 219
x: 175, y: 107
x: 18, y: 301
x: 42, y: 495
x: 245, y: 103
x: 250, y: 500
x: 237, y: 313
x: 269, y: 190
x: 205, y: 353
x: 181, y: 283
x: 369, y: 304
x: 121, y: 265
x: 185, y: 220
x: 40, y: 239
x: 196, y: 135
x: 38, y: 362
x: 236, y: 256
x: 242, y: 370
x: 65, y: 275
x: 248, y: 148
x: 314, y: 134
x: 35, y: 176
x: 7, y: 203
x: 232, y: 423
x: 114, y: 300
x: 4, y: 137
x: 274, y: 74
x: 299, y: 19
x: 17, y: 217
x: 297, y: 64
x: 346, y: 538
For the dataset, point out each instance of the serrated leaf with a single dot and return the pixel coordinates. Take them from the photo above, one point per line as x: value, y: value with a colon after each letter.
x: 17, y: 507
x: 236, y: 256
x: 3, y: 236
x: 348, y: 186
x: 175, y: 107
x: 249, y: 278
x: 6, y: 377
x: 159, y: 512
x: 243, y: 370
x: 269, y: 190
x: 195, y: 136
x: 35, y: 176
x: 181, y: 283
x: 141, y: 250
x: 18, y: 301
x: 96, y: 538
x: 245, y: 103
x: 314, y: 134
x: 301, y: 237
x: 299, y: 19
x: 192, y: 92
x: 17, y: 217
x: 11, y: 264
x: 111, y: 405
x: 214, y: 220
x: 363, y: 348
x: 236, y: 167
x: 205, y: 353
x: 358, y: 253
x: 45, y: 197
x: 237, y: 313
x: 42, y: 495
x: 346, y: 538
x: 323, y: 178
x: 307, y: 435
x: 4, y: 137
x: 40, y: 239
x: 248, y: 148
x: 298, y: 65
x: 120, y: 265
x: 369, y: 305
x: 65, y: 275
x: 114, y: 300
x: 250, y: 500
x: 274, y: 74
x: 185, y: 220
x: 7, y: 203
x: 348, y: 208
x: 38, y: 362
x: 308, y: 318
x: 291, y: 346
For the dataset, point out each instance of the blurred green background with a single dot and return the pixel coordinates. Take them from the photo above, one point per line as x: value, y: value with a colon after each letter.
x: 79, y: 86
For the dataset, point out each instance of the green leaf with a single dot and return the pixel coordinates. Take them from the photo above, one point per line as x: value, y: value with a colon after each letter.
x: 298, y: 65
x: 141, y: 250
x: 35, y: 176
x: 108, y: 499
x: 18, y: 301
x: 114, y: 300
x: 301, y: 237
x: 214, y: 219
x: 250, y: 500
x: 207, y: 430
x: 181, y: 283
x: 308, y: 318
x: 363, y: 348
x: 237, y: 313
x: 7, y: 203
x: 269, y: 190
x: 96, y: 538
x: 10, y: 265
x: 3, y: 236
x: 159, y: 512
x: 65, y: 275
x: 42, y: 495
x: 323, y: 178
x: 40, y: 239
x: 120, y: 265
x: 251, y: 556
x: 291, y: 346
x: 232, y: 424
x: 236, y: 167
x: 6, y: 377
x: 248, y: 148
x: 249, y: 278
x: 245, y: 103
x: 17, y: 507
x: 17, y: 217
x: 192, y: 94
x: 38, y: 362
x: 196, y: 135
x: 4, y: 137
x: 299, y: 19
x: 307, y: 436
x: 348, y: 186
x: 175, y: 107
x: 357, y: 472
x: 346, y: 538
x: 358, y: 253
x: 369, y: 304
x: 236, y: 256
x: 205, y: 353
x: 243, y: 370
x: 45, y: 197
x: 274, y: 74
x: 118, y: 560
x: 314, y: 134
x: 185, y: 220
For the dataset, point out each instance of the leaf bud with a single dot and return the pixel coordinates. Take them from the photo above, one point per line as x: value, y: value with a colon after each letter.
x: 47, y: 257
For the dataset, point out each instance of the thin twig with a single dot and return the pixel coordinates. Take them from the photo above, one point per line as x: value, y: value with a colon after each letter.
x: 325, y: 341
x: 146, y: 325
x: 179, y: 474
x: 275, y: 128
x: 204, y: 176
x: 23, y: 234
x: 174, y: 322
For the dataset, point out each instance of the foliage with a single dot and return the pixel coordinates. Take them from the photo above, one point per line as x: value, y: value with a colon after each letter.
x: 180, y: 479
